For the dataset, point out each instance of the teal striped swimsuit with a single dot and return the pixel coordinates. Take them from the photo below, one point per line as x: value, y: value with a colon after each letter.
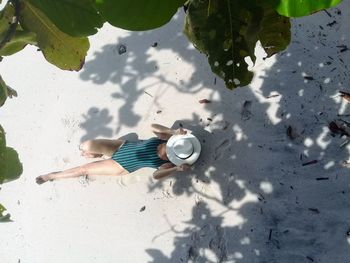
x: 135, y: 155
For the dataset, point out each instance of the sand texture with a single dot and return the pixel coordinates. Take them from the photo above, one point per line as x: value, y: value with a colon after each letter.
x: 269, y: 187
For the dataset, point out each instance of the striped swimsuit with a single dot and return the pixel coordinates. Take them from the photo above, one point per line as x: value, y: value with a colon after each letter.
x: 135, y: 155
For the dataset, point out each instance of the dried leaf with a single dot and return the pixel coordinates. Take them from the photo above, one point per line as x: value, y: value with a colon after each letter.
x: 246, y: 113
x: 308, y: 78
x: 335, y: 128
x: 291, y: 133
x: 203, y: 101
x: 345, y: 95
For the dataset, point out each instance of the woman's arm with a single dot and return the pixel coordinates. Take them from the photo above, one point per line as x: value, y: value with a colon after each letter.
x: 166, y: 170
x: 160, y: 173
x: 165, y: 133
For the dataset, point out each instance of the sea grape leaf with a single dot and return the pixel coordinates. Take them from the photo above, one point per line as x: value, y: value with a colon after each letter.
x: 18, y: 42
x: 4, y: 217
x: 138, y: 15
x: 76, y: 18
x: 5, y: 92
x: 10, y: 166
x: 275, y: 32
x: 60, y: 49
x: 19, y: 38
x: 226, y: 31
x: 6, y: 15
x: 297, y: 8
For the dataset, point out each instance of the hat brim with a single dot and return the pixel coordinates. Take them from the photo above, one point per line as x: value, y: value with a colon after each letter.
x: 177, y: 160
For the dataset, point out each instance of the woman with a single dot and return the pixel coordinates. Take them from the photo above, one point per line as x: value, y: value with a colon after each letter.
x: 171, y: 151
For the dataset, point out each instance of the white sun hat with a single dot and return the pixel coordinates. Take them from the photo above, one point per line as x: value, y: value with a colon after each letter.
x: 183, y: 149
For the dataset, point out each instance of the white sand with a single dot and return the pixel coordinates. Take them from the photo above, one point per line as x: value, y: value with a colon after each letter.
x: 249, y: 199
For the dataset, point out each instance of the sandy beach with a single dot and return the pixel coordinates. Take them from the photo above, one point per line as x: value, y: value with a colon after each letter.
x: 270, y: 185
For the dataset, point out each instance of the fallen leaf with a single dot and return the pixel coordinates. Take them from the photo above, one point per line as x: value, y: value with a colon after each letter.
x: 246, y: 113
x: 345, y: 95
x: 335, y: 128
x: 204, y: 101
x: 291, y: 133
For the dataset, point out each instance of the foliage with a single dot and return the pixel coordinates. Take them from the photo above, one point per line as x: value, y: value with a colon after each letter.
x: 293, y: 8
x: 4, y: 217
x: 138, y: 15
x: 75, y: 18
x: 10, y: 166
x: 60, y: 49
x: 227, y: 32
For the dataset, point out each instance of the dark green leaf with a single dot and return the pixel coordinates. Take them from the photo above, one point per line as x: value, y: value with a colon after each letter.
x: 297, y: 8
x: 275, y: 33
x: 4, y: 217
x: 10, y: 166
x: 74, y: 17
x: 227, y: 32
x: 60, y: 49
x: 138, y: 15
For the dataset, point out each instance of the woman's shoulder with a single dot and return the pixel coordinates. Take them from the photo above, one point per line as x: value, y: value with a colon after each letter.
x: 155, y: 139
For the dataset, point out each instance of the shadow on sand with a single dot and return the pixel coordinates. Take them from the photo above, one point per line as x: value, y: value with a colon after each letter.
x: 281, y: 191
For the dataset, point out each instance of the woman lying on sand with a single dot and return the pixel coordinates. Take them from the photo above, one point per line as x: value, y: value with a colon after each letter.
x: 171, y: 151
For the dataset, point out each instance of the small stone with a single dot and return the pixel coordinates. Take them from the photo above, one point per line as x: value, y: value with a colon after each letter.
x: 121, y: 49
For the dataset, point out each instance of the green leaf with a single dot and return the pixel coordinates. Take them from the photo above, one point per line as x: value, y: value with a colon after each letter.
x: 18, y: 39
x: 4, y: 217
x: 18, y: 42
x: 74, y: 17
x: 10, y: 166
x: 6, y: 16
x: 297, y: 8
x: 138, y: 15
x: 275, y: 32
x: 227, y: 32
x: 5, y: 92
x: 60, y: 49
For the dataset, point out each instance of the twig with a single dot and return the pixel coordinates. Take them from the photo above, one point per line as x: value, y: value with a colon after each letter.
x: 322, y: 178
x: 148, y: 94
x: 311, y: 162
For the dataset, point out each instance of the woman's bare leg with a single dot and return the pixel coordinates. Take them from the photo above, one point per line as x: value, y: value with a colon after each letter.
x: 104, y: 167
x: 100, y: 147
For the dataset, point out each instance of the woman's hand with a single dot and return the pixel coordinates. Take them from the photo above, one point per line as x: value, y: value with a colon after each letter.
x: 184, y: 167
x: 180, y: 131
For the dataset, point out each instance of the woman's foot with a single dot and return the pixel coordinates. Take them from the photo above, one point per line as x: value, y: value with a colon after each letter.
x: 43, y: 179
